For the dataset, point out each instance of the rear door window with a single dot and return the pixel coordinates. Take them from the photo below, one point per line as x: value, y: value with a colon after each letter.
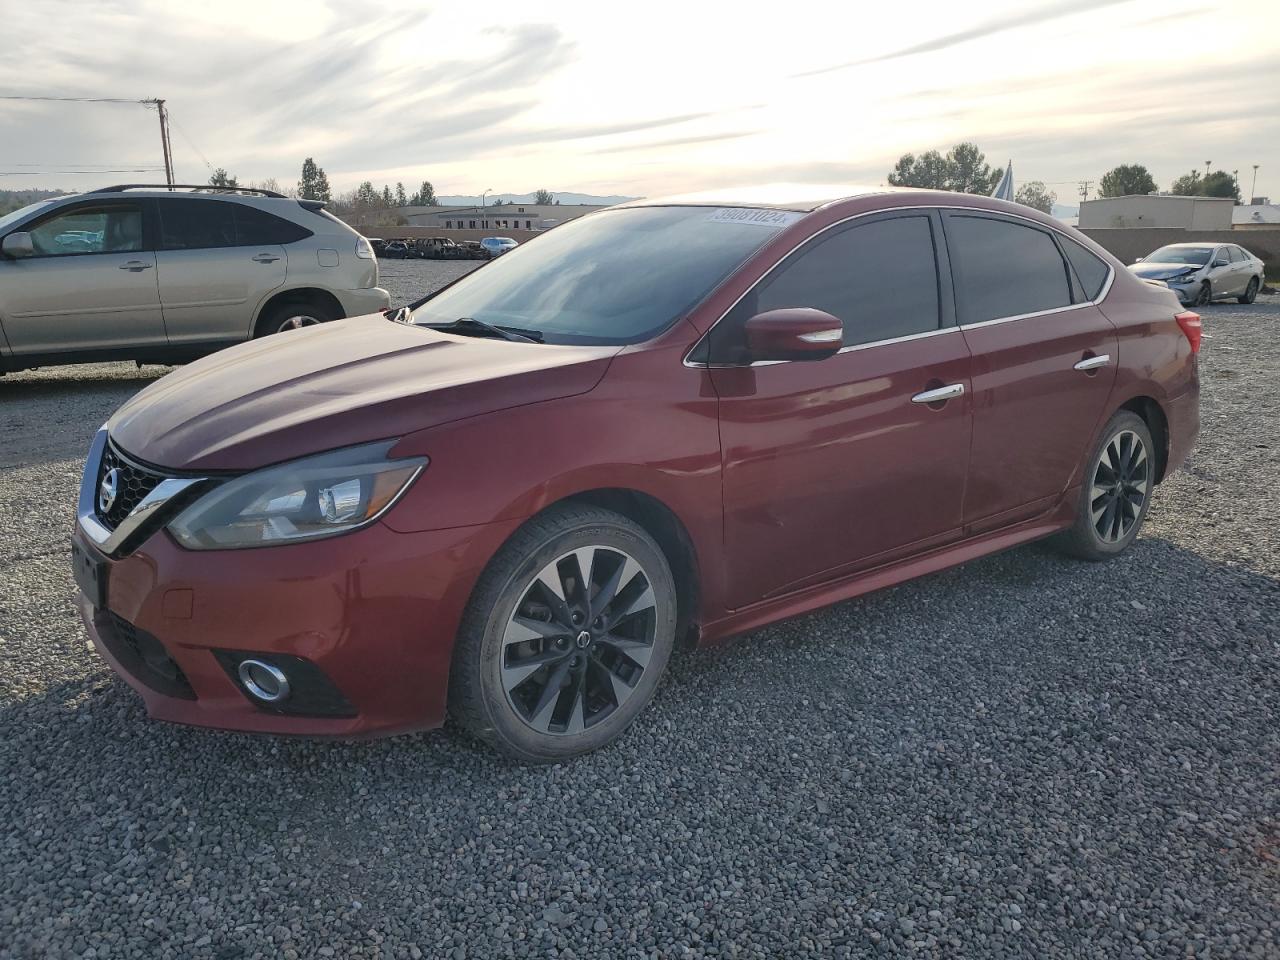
x: 196, y: 224
x: 256, y: 227
x: 1236, y: 254
x: 1091, y: 271
x: 1004, y: 269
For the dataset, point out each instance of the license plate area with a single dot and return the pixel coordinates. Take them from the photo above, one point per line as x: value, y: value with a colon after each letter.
x: 90, y: 574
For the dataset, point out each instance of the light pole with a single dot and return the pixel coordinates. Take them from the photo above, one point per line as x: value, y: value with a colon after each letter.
x: 1253, y: 191
x: 483, y: 208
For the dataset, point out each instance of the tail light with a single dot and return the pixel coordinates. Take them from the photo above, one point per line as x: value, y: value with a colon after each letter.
x: 1192, y: 327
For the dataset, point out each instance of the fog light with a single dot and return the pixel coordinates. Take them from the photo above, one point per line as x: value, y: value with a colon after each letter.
x: 263, y: 681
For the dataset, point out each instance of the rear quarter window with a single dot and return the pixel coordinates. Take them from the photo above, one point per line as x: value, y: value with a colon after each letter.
x: 1091, y: 270
x: 254, y: 227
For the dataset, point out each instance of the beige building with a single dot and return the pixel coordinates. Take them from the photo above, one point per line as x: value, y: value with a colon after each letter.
x: 1157, y: 210
x: 501, y: 216
x: 1256, y: 216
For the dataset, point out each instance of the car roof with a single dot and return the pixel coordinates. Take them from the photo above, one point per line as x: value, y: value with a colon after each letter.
x: 798, y: 197
x: 1189, y: 246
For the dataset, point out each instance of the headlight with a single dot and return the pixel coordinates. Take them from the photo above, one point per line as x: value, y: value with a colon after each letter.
x: 307, y: 499
x: 1182, y: 277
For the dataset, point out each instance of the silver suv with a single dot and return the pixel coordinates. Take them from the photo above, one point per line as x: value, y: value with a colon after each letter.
x: 157, y: 275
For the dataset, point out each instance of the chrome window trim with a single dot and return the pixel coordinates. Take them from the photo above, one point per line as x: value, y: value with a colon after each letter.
x: 107, y: 540
x: 1102, y: 294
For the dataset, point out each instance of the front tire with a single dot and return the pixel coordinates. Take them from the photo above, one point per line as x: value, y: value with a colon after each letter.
x: 566, y: 636
x: 1205, y: 296
x: 1115, y: 490
x: 1250, y: 292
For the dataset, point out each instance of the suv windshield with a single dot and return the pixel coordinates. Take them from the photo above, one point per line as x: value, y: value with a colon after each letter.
x: 614, y: 277
x: 1197, y: 256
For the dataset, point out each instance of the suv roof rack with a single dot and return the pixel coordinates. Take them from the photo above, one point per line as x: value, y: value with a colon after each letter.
x: 121, y: 187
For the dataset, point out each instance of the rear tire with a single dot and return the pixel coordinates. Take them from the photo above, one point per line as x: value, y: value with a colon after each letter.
x: 1250, y: 292
x: 1115, y: 490
x: 553, y: 660
x: 293, y: 316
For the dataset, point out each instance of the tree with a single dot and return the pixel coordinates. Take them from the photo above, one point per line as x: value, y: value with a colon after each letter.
x: 963, y: 170
x: 387, y: 199
x: 221, y: 178
x: 1126, y: 180
x: 1033, y: 194
x: 400, y: 197
x: 1187, y: 185
x: 314, y: 185
x: 1220, y: 184
x: 495, y: 202
x: 425, y: 197
x: 544, y: 198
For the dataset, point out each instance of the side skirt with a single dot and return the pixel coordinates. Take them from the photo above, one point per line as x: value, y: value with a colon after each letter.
x: 824, y: 595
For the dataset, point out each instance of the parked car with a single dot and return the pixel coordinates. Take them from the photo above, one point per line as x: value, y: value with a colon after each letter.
x: 161, y: 276
x: 378, y: 245
x: 443, y: 248
x: 497, y: 246
x: 1200, y: 273
x: 660, y: 422
x: 397, y: 250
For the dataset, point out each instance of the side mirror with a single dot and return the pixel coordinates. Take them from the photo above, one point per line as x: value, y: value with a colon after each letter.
x: 794, y: 333
x: 1220, y: 262
x: 18, y: 245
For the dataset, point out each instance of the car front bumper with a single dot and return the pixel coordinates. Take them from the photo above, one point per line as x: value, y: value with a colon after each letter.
x: 367, y: 621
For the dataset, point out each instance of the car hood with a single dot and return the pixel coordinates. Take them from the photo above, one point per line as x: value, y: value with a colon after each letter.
x: 1162, y: 271
x: 329, y: 386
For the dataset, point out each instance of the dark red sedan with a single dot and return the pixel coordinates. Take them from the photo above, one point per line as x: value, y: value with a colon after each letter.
x: 666, y: 421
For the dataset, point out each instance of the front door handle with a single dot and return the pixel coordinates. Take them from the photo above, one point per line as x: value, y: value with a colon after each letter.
x: 265, y: 258
x: 939, y: 394
x: 1093, y: 363
x: 135, y: 266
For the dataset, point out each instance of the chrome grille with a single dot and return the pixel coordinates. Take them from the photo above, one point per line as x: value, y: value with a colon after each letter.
x: 133, y: 483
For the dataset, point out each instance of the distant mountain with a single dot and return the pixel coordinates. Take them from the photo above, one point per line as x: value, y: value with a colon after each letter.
x: 460, y: 201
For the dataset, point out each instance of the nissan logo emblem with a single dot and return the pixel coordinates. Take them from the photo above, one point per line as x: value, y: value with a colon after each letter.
x: 108, y: 490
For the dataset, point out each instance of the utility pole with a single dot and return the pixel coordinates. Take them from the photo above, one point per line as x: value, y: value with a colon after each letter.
x: 1084, y: 189
x: 164, y: 139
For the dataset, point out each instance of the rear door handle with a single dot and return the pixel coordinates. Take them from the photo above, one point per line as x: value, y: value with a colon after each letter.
x: 135, y: 266
x: 265, y: 258
x: 948, y: 392
x: 1093, y: 363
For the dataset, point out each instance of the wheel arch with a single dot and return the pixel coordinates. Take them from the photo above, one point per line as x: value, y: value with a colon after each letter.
x: 665, y: 526
x: 1153, y: 415
x: 298, y: 295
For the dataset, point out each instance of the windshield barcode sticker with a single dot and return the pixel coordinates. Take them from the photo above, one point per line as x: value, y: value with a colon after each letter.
x: 755, y: 217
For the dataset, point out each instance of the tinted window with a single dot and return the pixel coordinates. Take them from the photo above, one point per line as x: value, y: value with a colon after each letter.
x: 880, y: 279
x: 618, y: 276
x: 1090, y: 270
x: 196, y: 224
x: 1236, y: 254
x: 112, y: 228
x: 255, y: 227
x: 1004, y: 269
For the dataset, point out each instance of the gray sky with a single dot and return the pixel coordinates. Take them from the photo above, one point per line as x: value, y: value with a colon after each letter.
x: 642, y: 100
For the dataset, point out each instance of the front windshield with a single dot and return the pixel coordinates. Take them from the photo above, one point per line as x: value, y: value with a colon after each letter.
x: 614, y: 277
x: 1196, y: 256
x: 16, y: 215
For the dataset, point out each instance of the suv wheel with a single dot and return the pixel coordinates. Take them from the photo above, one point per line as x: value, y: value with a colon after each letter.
x: 293, y: 316
x: 566, y: 636
x: 1250, y: 292
x: 1115, y: 492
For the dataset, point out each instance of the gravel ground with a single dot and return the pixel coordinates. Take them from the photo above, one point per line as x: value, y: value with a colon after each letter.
x: 1026, y: 756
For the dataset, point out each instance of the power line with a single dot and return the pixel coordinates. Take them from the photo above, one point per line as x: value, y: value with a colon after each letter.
x: 76, y: 99
x: 70, y: 173
x: 191, y: 143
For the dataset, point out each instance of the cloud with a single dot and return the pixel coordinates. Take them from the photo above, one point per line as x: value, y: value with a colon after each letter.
x: 986, y: 28
x: 680, y: 141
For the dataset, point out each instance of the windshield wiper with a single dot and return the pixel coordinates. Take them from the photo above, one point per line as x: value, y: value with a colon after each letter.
x: 465, y: 325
